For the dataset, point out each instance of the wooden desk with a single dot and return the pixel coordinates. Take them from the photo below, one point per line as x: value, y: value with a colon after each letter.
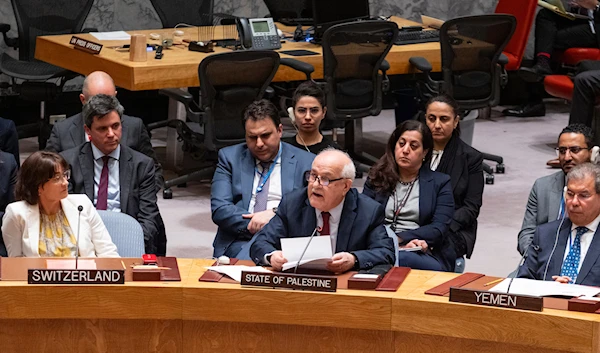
x: 179, y: 66
x: 192, y: 316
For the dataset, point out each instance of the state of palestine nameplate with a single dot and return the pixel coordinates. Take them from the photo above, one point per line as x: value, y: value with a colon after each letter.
x: 502, y: 300
x: 289, y: 281
x: 72, y: 276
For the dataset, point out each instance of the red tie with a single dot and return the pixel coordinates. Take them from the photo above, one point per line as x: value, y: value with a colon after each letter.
x: 102, y: 203
x: 325, y: 230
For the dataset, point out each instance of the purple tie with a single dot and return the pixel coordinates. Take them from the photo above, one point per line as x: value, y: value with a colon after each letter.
x: 260, y: 204
x: 102, y: 203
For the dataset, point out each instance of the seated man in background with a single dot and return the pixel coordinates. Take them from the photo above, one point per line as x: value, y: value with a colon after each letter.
x: 8, y: 179
x: 9, y: 139
x: 114, y: 176
x: 573, y: 257
x: 546, y: 202
x: 354, y: 221
x: 586, y: 89
x: 70, y: 132
x: 251, y: 178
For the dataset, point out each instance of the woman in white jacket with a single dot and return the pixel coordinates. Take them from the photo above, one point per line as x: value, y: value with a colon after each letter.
x: 44, y: 222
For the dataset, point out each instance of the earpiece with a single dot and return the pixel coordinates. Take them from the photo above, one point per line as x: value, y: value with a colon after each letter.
x: 595, y: 155
x: 565, y: 193
x: 290, y: 111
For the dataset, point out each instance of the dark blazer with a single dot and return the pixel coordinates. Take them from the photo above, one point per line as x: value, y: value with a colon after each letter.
x: 231, y: 189
x: 9, y: 139
x: 466, y: 177
x: 8, y: 179
x: 136, y: 179
x: 436, y: 207
x: 360, y: 232
x: 69, y: 133
x: 539, y: 251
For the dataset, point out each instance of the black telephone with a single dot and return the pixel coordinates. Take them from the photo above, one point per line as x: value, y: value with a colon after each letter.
x: 258, y: 33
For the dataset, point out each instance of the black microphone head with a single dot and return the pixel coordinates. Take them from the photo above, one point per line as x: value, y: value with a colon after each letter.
x: 80, y: 208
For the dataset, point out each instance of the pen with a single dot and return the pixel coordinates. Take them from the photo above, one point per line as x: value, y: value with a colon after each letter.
x: 123, y: 264
x: 493, y: 282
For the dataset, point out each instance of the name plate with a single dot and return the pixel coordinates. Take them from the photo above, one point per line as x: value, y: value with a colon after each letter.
x: 290, y: 281
x: 502, y: 300
x: 71, y: 276
x: 86, y: 45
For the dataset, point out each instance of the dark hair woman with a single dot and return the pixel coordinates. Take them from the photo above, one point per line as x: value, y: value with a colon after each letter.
x: 418, y: 202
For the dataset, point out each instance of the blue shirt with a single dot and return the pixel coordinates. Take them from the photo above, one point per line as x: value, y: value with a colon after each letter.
x: 114, y: 189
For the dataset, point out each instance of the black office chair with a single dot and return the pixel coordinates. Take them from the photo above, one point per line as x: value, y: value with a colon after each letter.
x: 229, y: 82
x: 289, y: 8
x: 472, y: 66
x: 30, y: 76
x: 174, y: 12
x: 354, y: 71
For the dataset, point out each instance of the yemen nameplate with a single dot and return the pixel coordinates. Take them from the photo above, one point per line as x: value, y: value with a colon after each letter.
x: 85, y: 45
x: 502, y: 300
x: 290, y: 281
x: 70, y: 276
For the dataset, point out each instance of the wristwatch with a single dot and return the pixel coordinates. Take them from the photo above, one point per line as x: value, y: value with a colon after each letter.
x: 274, y: 209
x: 356, y: 264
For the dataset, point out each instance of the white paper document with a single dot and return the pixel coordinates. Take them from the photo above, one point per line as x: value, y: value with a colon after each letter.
x: 536, y: 288
x: 69, y: 264
x: 317, y: 254
x: 116, y: 35
x: 235, y: 272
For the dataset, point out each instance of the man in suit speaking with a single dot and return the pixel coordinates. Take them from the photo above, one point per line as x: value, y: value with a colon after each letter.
x: 354, y: 221
x: 546, y: 202
x: 573, y: 256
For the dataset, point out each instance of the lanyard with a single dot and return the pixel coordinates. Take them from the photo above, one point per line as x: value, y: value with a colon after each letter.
x: 265, y: 177
x: 398, y: 208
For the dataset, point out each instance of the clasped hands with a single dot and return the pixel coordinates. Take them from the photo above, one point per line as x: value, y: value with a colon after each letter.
x: 339, y: 263
x: 258, y: 220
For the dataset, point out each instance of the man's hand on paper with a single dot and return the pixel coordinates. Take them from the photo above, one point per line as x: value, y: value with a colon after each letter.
x: 415, y: 243
x: 562, y: 279
x: 341, y: 262
x: 258, y: 220
x: 277, y: 260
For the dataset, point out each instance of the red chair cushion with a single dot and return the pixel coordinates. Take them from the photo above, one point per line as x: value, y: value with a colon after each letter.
x: 573, y: 56
x: 560, y: 86
x: 524, y: 12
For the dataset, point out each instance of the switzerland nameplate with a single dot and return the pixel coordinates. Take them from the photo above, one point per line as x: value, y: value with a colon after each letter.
x: 290, y: 281
x: 502, y: 300
x: 70, y: 276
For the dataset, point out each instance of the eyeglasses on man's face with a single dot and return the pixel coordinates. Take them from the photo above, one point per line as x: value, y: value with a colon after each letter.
x: 572, y: 149
x: 324, y: 181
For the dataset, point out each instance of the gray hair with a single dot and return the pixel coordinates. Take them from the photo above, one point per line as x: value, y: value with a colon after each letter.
x: 584, y: 170
x: 100, y: 105
x: 349, y: 170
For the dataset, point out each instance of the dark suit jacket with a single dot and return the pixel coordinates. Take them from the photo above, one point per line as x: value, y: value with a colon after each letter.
x: 9, y: 139
x: 8, y: 179
x: 466, y: 177
x: 538, y: 255
x: 69, y: 133
x: 136, y: 179
x: 360, y: 232
x: 436, y: 207
x: 231, y: 189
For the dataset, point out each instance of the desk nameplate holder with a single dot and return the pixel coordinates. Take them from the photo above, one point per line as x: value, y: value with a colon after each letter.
x: 289, y: 281
x: 72, y: 276
x: 86, y: 45
x: 501, y: 300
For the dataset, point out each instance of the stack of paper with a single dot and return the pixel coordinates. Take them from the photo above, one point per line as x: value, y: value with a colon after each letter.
x: 235, y: 272
x: 317, y: 254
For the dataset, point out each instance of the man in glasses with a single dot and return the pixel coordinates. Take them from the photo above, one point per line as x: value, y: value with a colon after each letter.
x: 546, y: 201
x: 251, y: 178
x: 329, y: 204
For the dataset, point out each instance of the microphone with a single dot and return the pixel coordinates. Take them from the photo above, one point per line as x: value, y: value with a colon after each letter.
x: 523, y: 257
x: 555, y: 243
x: 79, y: 208
x: 317, y: 229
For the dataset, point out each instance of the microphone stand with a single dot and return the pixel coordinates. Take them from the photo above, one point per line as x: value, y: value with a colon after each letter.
x: 79, y: 208
x: 306, y: 247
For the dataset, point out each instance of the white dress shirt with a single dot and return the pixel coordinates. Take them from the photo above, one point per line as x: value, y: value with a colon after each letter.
x: 114, y: 189
x: 436, y: 157
x: 334, y: 222
x: 586, y: 240
x: 274, y: 195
